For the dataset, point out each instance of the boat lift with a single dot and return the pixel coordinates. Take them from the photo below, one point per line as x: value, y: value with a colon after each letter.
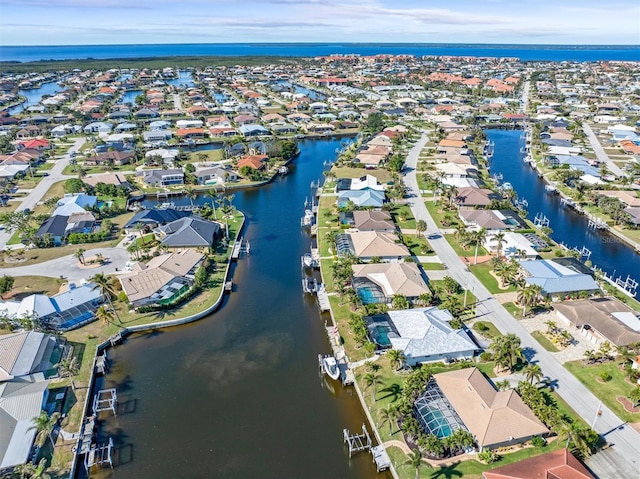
x: 357, y: 442
x: 105, y: 400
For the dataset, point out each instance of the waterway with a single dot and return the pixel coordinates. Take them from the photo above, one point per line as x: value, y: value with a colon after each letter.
x: 34, y: 96
x: 607, y: 252
x: 238, y: 394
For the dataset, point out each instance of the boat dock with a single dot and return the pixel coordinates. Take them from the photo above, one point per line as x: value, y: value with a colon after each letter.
x: 239, y: 247
x: 346, y: 374
x: 357, y: 442
x: 323, y: 300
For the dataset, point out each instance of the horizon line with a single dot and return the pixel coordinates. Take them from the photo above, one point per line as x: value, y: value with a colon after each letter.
x: 466, y: 44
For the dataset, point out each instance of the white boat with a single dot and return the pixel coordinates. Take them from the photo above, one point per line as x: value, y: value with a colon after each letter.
x: 310, y: 285
x: 329, y: 366
x: 283, y: 170
x: 308, y: 218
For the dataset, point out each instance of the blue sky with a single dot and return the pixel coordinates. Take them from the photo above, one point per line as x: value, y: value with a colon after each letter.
x: 78, y: 22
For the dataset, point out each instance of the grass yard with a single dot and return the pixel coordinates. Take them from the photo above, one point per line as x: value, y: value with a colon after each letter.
x: 608, y: 391
x: 211, y: 156
x: 544, y: 341
x: 403, y: 217
x: 513, y: 309
x: 383, y: 176
x: 39, y: 255
x: 483, y: 273
x: 490, y: 332
x: 433, y: 266
x: 27, y: 285
x: 460, y: 251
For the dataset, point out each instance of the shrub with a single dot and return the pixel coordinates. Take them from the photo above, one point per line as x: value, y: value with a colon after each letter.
x: 605, y: 376
x: 486, y: 356
x: 482, y: 327
x: 538, y: 441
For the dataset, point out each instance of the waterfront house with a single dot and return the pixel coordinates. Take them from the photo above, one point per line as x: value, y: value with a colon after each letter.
x: 379, y: 282
x: 167, y: 177
x: 558, y: 279
x: 361, y: 198
x: 514, y: 245
x: 215, y: 175
x: 25, y: 353
x: 368, y: 245
x: 476, y: 197
x: 466, y: 399
x: 153, y: 218
x: 188, y: 232
x: 21, y: 400
x: 117, y: 158
x: 253, y: 130
x: 491, y: 220
x: 424, y: 335
x: 163, y: 279
x: 372, y: 220
x: 74, y: 203
x: 560, y: 464
x: 601, y: 319
x: 62, y: 312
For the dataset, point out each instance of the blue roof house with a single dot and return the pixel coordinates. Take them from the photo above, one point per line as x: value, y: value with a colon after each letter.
x: 556, y: 279
x: 361, y: 198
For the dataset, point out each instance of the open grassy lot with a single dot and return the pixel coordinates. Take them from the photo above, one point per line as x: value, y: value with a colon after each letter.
x: 383, y: 176
x: 27, y: 285
x: 608, y: 391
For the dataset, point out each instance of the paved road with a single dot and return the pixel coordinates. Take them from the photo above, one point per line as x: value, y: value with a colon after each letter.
x: 177, y: 101
x: 67, y: 266
x: 625, y: 454
x: 600, y: 153
x: 55, y: 175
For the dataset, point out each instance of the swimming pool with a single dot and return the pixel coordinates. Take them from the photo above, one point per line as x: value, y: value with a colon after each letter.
x: 371, y: 295
x: 435, y: 422
x: 380, y: 336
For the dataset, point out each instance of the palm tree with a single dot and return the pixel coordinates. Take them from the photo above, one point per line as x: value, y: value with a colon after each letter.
x: 478, y: 238
x: 104, y: 315
x: 79, y: 255
x: 214, y: 199
x: 506, y: 351
x: 68, y: 367
x: 421, y: 227
x: 499, y: 238
x: 107, y: 289
x: 190, y: 193
x: 533, y: 372
x: 415, y: 461
x: 577, y: 436
x: 44, y: 425
x: 388, y: 415
x: 634, y: 396
x: 140, y: 228
x: 529, y: 296
x: 396, y: 358
x: 371, y: 381
x: 30, y: 470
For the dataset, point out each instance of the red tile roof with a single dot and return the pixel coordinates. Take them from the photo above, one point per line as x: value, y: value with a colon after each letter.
x: 560, y: 464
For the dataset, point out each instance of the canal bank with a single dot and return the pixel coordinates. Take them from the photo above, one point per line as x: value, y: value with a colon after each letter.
x: 570, y: 228
x: 238, y: 394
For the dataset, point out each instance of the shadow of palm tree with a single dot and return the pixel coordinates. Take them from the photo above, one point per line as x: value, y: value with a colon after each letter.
x: 447, y: 472
x: 394, y: 392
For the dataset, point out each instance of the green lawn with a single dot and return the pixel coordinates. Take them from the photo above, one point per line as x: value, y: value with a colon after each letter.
x: 607, y: 392
x: 544, y: 341
x: 513, y: 309
x: 482, y: 272
x: 460, y: 251
x: 403, y: 217
x: 383, y: 176
x: 491, y: 331
x: 433, y: 266
x: 211, y: 155
x: 436, y: 213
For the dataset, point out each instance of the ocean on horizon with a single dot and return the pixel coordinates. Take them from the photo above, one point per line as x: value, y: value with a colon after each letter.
x: 580, y: 53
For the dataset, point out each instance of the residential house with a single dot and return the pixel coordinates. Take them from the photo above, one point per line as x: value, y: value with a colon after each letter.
x: 470, y: 401
x: 253, y: 130
x: 163, y: 279
x: 255, y: 162
x: 368, y: 245
x: 361, y: 198
x: 476, y: 197
x: 493, y: 221
x: 379, y: 282
x: 159, y: 178
x: 152, y: 218
x: 25, y: 353
x: 188, y: 232
x: 601, y: 319
x: 215, y: 175
x: 559, y: 464
x: 372, y: 220
x: 74, y: 203
x: 117, y: 158
x: 424, y: 335
x: 558, y: 279
x: 62, y: 312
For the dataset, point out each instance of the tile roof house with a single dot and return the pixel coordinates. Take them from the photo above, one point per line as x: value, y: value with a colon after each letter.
x: 601, y: 319
x: 367, y: 245
x: 476, y: 197
x: 373, y: 220
x: 163, y: 177
x: 423, y: 334
x: 188, y: 232
x: 163, y: 279
x: 560, y: 464
x: 495, y: 418
x: 388, y: 279
x: 491, y: 220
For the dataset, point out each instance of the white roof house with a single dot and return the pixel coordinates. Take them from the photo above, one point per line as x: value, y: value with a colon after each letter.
x: 422, y: 334
x: 21, y: 400
x: 74, y: 203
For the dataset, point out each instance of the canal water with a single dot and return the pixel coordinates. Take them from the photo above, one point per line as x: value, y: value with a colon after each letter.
x: 34, y: 96
x: 238, y: 394
x: 569, y: 227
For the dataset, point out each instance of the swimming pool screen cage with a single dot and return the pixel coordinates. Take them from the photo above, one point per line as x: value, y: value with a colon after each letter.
x: 344, y: 246
x: 368, y: 291
x: 435, y: 413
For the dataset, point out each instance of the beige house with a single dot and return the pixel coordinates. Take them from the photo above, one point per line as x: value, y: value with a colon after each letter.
x: 163, y: 279
x: 388, y: 279
x: 495, y: 418
x: 602, y: 319
x: 367, y: 245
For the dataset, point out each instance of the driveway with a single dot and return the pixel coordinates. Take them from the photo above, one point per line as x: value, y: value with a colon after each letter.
x: 55, y: 175
x: 600, y: 153
x: 626, y: 452
x: 67, y: 266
